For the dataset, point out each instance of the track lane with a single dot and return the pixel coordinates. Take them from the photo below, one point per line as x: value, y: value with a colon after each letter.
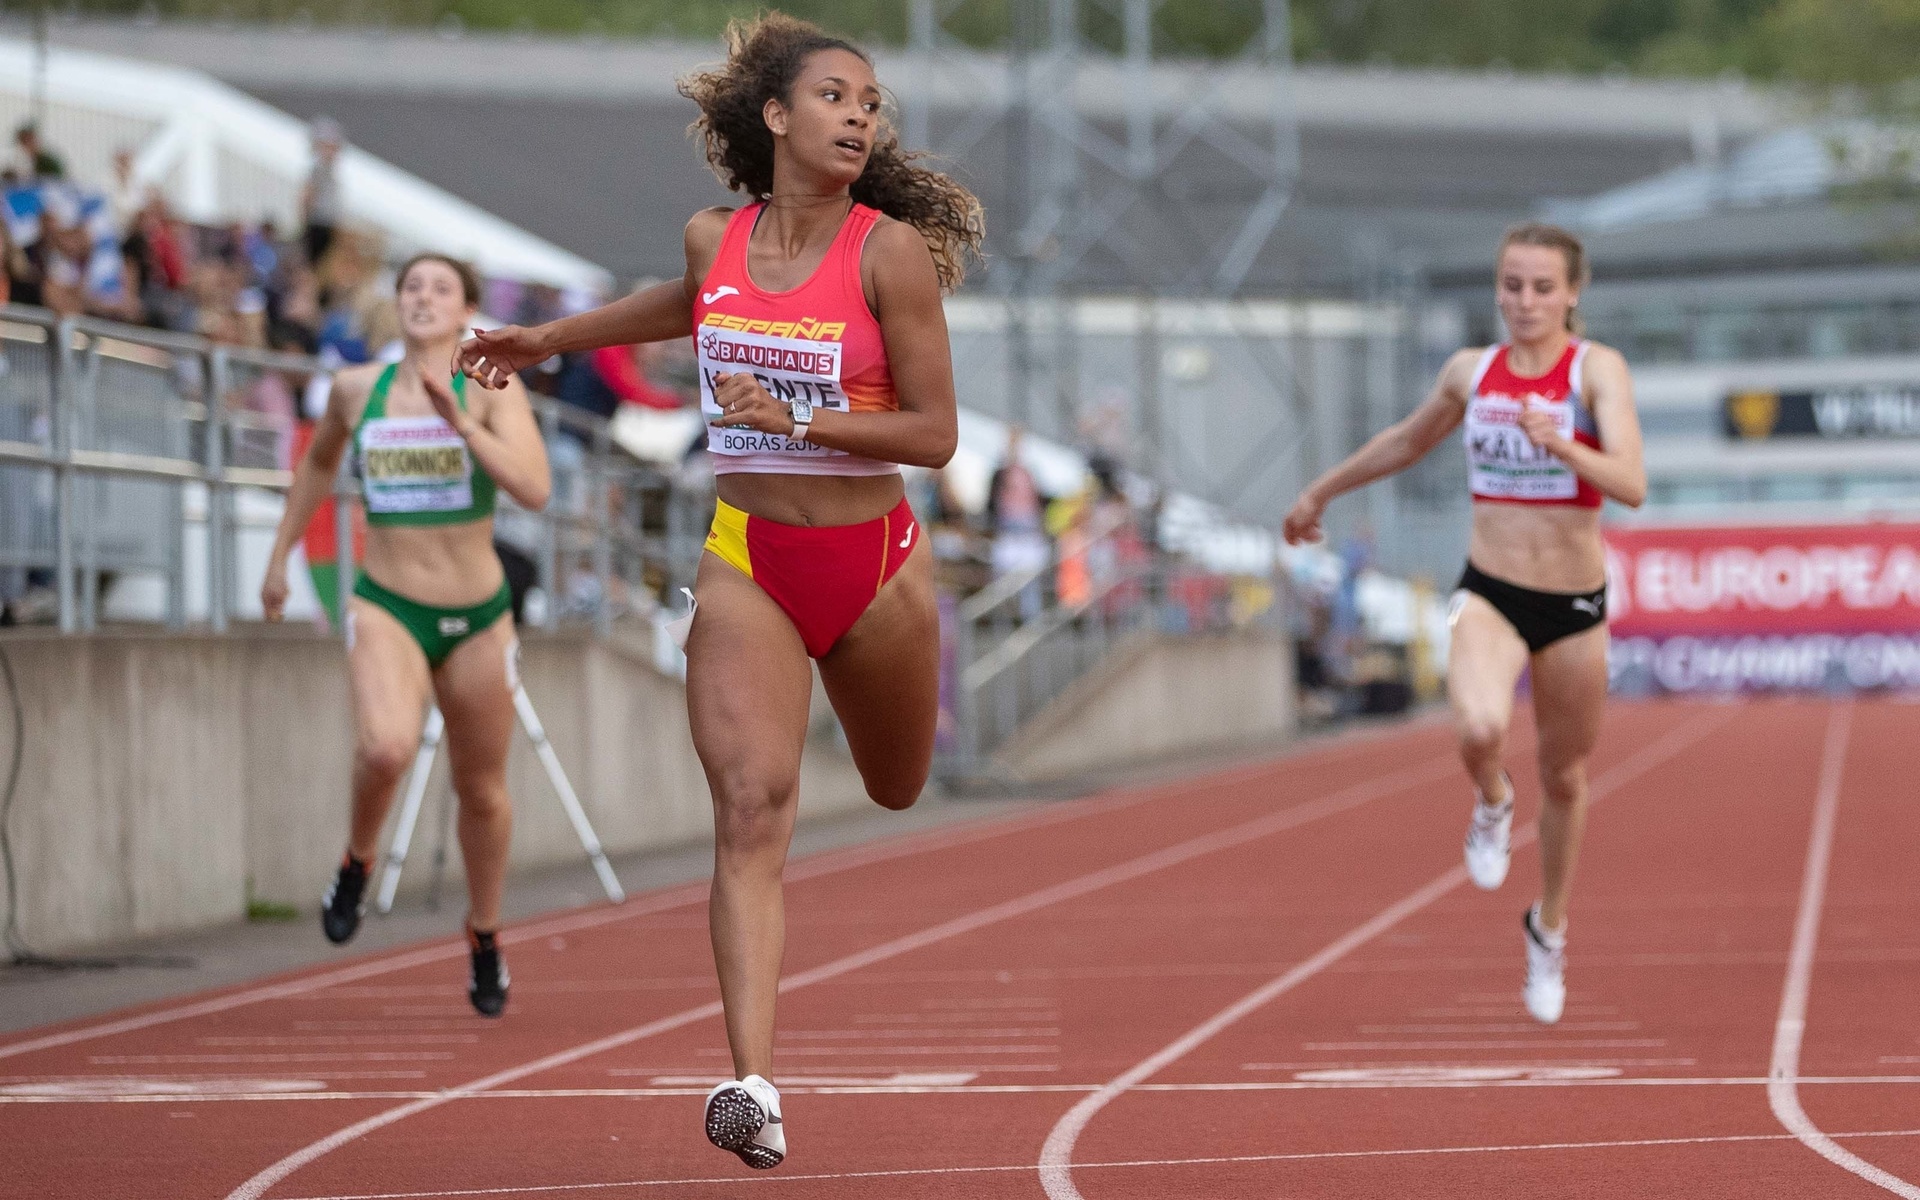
x: 1305, y: 798
x: 1085, y: 987
x: 1858, y: 1019
x: 1025, y: 960
x: 1682, y: 918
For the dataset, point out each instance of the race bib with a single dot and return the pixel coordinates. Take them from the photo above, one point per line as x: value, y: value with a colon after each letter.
x: 790, y: 368
x: 414, y: 465
x: 1503, y: 463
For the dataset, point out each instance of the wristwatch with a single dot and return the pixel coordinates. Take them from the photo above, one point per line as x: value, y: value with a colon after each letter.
x: 802, y: 412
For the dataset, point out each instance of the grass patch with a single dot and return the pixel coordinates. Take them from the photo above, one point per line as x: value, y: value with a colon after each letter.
x: 271, y: 910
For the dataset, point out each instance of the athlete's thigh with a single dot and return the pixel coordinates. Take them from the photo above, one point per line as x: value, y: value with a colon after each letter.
x: 387, y: 672
x: 1484, y: 660
x: 474, y: 687
x: 1570, y: 694
x: 748, y: 682
x: 883, y: 678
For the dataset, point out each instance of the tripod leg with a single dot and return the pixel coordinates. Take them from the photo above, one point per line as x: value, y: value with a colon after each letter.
x: 410, y: 807
x: 439, y: 875
x: 530, y: 721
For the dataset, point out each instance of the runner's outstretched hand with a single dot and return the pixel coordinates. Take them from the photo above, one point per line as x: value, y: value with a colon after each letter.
x: 1302, y: 523
x: 492, y: 356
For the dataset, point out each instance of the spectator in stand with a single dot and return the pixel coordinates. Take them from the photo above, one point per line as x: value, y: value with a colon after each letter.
x: 157, y: 254
x: 20, y: 207
x: 36, y: 161
x: 129, y: 195
x: 1015, y: 513
x: 600, y: 381
x: 321, y: 206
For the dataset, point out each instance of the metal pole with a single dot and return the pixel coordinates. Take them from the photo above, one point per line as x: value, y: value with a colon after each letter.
x: 344, y: 568
x: 600, y: 479
x: 37, y: 103
x: 62, y: 418
x: 549, y: 562
x: 90, y: 491
x: 1020, y: 186
x: 218, y: 594
x: 923, y: 41
x: 410, y: 808
x: 557, y: 775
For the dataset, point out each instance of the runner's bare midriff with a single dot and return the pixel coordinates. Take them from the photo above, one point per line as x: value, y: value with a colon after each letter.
x: 812, y: 499
x: 1550, y: 548
x: 449, y: 566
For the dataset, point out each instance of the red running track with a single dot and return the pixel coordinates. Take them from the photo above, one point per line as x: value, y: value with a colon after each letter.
x: 1271, y: 981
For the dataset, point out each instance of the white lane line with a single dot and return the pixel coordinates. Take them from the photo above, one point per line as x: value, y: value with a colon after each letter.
x: 1782, y: 1094
x: 1056, y: 1155
x: 1124, y: 1164
x: 826, y: 863
x: 1489, y: 1044
x: 48, y: 1092
x: 1249, y: 831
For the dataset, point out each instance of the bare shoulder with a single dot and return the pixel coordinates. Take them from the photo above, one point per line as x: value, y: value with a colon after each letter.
x: 351, y: 387
x: 896, y: 255
x: 893, y: 238
x: 705, y: 228
x: 1605, y: 357
x: 1456, y: 377
x: 1604, y: 373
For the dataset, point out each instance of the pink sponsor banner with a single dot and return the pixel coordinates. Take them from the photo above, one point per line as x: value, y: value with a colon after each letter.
x: 1824, y: 607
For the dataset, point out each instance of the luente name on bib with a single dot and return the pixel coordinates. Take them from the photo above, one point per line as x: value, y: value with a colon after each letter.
x: 414, y: 465
x: 789, y: 368
x: 1504, y: 463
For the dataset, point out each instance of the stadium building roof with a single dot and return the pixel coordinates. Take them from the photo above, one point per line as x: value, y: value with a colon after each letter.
x: 584, y: 142
x: 220, y: 155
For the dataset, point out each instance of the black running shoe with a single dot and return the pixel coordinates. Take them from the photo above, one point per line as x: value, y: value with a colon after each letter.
x: 345, y: 902
x: 487, y: 986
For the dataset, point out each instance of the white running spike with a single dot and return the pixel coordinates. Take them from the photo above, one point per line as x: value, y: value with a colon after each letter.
x: 744, y: 1117
x: 1489, y: 845
x: 1546, y: 989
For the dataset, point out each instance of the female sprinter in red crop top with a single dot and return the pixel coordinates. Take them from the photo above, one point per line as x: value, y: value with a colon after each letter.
x: 1550, y: 431
x: 824, y: 364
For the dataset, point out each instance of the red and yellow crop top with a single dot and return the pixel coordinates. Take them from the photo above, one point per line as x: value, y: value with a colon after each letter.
x: 1502, y: 464
x: 818, y: 342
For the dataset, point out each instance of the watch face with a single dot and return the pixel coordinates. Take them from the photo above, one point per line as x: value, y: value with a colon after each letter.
x: 802, y: 410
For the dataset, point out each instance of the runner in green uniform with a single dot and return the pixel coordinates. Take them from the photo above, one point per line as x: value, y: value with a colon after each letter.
x: 429, y: 617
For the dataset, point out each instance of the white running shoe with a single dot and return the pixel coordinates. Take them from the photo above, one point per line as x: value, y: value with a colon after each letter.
x: 744, y: 1117
x: 1490, y: 841
x: 1546, y: 990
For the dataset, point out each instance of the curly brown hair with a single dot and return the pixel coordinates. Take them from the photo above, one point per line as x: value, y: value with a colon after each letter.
x: 764, y: 57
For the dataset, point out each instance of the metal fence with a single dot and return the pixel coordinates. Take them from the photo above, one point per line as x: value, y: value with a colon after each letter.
x: 153, y: 459
x: 1026, y: 637
x: 156, y: 460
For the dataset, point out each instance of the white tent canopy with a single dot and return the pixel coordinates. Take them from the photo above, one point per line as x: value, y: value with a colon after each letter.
x: 220, y: 155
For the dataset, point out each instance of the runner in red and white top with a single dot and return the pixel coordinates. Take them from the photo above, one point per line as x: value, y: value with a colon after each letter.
x: 816, y: 314
x: 1551, y: 434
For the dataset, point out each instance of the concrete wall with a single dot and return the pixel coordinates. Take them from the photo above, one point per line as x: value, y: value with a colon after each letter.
x: 165, y: 775
x: 1159, y: 696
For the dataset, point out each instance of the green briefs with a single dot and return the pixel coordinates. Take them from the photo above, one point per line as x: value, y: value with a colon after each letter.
x: 438, y: 630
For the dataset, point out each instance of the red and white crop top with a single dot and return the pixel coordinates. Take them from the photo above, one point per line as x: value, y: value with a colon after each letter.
x: 817, y: 342
x: 1502, y: 465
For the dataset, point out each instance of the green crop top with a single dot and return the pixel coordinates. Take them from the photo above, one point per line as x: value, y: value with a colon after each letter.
x: 418, y: 470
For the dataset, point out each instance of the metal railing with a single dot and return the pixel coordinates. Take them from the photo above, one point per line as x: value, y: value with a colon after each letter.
x: 154, y: 457
x: 1027, y: 636
x: 160, y: 457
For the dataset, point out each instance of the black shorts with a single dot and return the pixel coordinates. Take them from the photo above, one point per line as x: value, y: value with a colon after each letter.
x: 1540, y: 618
